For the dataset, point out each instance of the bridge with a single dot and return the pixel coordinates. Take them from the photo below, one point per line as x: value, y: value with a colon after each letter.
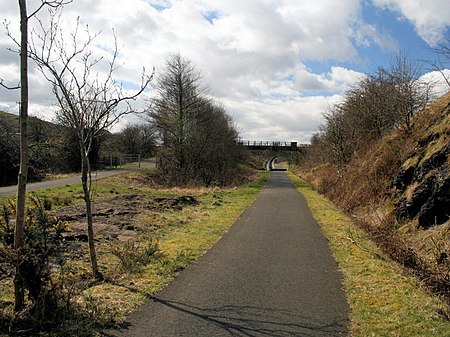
x: 271, y: 150
x: 273, y: 145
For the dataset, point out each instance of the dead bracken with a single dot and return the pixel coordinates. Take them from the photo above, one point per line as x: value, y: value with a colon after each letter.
x: 114, y: 218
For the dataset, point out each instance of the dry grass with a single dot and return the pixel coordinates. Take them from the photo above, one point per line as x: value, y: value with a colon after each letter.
x: 365, y: 190
x: 410, y: 190
x: 383, y: 300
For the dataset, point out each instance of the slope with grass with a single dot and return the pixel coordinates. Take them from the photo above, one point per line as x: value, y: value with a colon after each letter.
x: 399, y: 192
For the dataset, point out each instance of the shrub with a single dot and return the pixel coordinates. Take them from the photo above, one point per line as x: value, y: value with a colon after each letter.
x: 132, y: 257
x: 171, y: 266
x: 41, y: 256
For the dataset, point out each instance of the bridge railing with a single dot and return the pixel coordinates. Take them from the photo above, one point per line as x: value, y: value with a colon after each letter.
x: 260, y: 143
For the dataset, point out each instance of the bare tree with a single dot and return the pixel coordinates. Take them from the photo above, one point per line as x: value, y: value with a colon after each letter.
x: 216, y: 153
x: 377, y: 104
x: 88, y: 104
x: 442, y: 50
x: 19, y: 234
x: 408, y: 93
x: 339, y: 135
x: 175, y: 113
x: 199, y: 140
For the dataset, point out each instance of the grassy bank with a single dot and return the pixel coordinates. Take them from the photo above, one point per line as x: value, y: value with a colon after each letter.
x: 384, y: 301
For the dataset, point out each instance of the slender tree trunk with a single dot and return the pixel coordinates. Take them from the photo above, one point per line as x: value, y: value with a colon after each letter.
x: 19, y: 235
x: 86, y: 183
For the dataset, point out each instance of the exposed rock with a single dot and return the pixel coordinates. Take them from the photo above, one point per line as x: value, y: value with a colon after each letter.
x: 421, y: 195
x: 75, y: 237
x: 404, y: 178
x: 104, y: 212
x: 427, y: 140
x: 437, y: 160
x: 430, y: 200
x: 436, y: 210
x: 114, y: 218
x: 177, y: 202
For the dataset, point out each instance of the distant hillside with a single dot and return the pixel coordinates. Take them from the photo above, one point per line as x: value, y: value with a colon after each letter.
x: 52, y: 149
x: 399, y: 191
x: 9, y: 119
x: 12, y: 121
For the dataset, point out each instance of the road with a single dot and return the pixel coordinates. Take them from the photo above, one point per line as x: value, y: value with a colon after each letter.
x: 272, y: 274
x: 96, y: 175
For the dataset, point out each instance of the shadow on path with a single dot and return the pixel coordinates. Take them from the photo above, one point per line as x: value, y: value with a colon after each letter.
x: 271, y: 274
x: 250, y: 321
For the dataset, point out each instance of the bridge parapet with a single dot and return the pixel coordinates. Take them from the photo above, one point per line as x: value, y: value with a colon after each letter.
x: 262, y: 145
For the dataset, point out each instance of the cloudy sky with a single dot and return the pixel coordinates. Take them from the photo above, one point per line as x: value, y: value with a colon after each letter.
x: 276, y: 65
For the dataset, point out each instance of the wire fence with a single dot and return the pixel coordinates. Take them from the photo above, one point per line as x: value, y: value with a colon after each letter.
x: 126, y: 160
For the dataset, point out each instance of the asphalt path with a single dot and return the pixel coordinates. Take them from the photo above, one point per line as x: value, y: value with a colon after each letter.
x: 96, y: 175
x: 272, y: 274
x: 9, y: 190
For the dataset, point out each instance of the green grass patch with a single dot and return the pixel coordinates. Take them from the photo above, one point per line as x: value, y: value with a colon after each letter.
x: 72, y: 194
x: 383, y: 300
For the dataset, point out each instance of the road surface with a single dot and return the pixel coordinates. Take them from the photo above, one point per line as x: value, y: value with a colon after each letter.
x: 272, y: 274
x: 96, y: 175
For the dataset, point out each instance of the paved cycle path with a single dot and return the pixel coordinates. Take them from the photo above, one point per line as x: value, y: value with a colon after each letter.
x: 11, y: 190
x: 272, y: 274
x: 76, y: 179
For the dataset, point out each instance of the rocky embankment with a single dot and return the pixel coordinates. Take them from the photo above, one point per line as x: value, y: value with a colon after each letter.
x: 423, y: 183
x: 399, y: 191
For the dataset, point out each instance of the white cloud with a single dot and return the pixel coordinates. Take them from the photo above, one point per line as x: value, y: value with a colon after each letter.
x: 338, y: 79
x: 252, y: 53
x: 278, y: 119
x: 368, y: 34
x: 429, y: 17
x: 439, y: 81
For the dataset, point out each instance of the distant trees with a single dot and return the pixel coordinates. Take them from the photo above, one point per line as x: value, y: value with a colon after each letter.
x: 52, y: 148
x: 9, y: 154
x: 380, y: 102
x: 198, y: 138
x: 138, y: 139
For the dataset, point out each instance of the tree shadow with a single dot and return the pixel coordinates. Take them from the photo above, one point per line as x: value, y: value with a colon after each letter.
x: 254, y: 321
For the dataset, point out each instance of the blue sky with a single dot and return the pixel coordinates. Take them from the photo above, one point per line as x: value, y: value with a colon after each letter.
x: 402, y: 30
x: 276, y: 65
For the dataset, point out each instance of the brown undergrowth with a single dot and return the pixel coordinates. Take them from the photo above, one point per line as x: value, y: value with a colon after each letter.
x: 368, y: 190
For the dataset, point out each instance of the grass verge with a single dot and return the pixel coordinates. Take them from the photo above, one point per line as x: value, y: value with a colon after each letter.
x: 383, y: 300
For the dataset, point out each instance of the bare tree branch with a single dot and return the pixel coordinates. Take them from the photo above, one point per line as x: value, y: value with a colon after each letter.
x: 442, y: 50
x: 88, y: 103
x: 7, y: 86
x: 52, y: 4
